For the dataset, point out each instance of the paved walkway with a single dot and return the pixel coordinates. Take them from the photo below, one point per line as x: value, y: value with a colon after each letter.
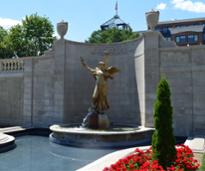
x: 196, y: 144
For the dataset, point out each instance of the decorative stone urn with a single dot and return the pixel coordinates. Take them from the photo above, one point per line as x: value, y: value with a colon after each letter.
x: 62, y: 28
x: 152, y: 18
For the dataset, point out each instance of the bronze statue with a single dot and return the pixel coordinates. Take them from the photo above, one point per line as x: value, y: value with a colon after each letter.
x: 101, y: 73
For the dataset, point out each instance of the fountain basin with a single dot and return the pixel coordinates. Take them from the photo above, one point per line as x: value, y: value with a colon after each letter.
x: 111, y: 138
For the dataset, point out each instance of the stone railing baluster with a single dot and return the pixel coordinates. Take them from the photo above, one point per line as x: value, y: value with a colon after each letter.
x: 8, y: 65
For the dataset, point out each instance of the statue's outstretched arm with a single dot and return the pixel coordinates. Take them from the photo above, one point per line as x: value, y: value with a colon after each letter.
x: 86, y: 66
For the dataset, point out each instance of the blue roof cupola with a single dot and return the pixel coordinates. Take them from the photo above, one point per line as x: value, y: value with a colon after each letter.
x: 115, y: 22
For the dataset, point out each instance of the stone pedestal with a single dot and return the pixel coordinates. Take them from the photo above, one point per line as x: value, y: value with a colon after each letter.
x: 95, y: 120
x: 91, y: 120
x: 103, y: 121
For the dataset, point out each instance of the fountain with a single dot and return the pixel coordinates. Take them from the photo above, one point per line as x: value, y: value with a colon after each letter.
x: 96, y: 129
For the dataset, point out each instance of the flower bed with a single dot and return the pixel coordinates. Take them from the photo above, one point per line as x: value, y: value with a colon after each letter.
x: 142, y: 161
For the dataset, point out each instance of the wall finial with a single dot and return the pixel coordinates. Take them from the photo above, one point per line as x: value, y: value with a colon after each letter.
x: 152, y: 18
x: 62, y: 28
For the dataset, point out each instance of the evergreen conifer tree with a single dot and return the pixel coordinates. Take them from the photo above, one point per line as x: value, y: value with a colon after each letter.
x: 163, y: 140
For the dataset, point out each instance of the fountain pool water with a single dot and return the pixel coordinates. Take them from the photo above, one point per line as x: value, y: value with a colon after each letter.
x: 37, y: 153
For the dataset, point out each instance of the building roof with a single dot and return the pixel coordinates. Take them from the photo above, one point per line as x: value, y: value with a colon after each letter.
x: 114, y: 22
x: 181, y: 21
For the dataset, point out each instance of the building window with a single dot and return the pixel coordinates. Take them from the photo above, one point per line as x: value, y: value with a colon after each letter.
x: 181, y: 39
x: 192, y: 38
x: 165, y: 30
x: 158, y: 29
x: 177, y: 39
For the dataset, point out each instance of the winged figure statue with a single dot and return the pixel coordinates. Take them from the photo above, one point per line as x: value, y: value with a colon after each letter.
x: 101, y: 73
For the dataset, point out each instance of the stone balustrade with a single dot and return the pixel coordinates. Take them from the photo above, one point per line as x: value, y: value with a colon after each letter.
x: 12, y: 65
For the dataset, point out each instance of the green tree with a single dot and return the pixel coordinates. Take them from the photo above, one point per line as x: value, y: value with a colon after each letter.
x: 163, y: 141
x: 33, y: 37
x: 39, y: 33
x: 18, y: 42
x: 3, y: 33
x: 111, y: 35
x: 5, y: 51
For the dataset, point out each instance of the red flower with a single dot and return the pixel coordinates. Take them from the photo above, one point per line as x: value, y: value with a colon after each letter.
x: 142, y: 161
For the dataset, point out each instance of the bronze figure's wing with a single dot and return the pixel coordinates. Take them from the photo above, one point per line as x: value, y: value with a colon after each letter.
x: 112, y: 70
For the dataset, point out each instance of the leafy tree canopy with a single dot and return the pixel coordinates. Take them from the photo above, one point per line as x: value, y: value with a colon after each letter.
x: 4, y: 49
x: 112, y: 35
x: 3, y: 33
x: 32, y: 38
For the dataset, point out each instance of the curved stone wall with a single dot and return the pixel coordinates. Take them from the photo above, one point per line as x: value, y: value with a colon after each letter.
x: 55, y: 88
x: 79, y: 84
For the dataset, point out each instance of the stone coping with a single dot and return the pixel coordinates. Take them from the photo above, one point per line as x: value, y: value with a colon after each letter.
x: 117, y: 137
x: 4, y: 139
x: 12, y: 129
x: 109, y: 159
x: 66, y: 129
x: 104, y: 44
x: 7, y: 142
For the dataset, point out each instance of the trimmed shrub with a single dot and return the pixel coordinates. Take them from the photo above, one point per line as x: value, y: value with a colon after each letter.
x: 163, y: 140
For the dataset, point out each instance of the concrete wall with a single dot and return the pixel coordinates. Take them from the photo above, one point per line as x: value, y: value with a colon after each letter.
x: 79, y: 84
x: 55, y: 88
x: 184, y: 67
x: 11, y: 98
x: 44, y: 88
x: 43, y: 91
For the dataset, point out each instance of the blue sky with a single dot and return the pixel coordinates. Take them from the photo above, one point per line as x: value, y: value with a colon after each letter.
x: 85, y: 16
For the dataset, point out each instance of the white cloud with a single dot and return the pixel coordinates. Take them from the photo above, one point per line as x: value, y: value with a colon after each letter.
x: 188, y: 5
x: 8, y: 22
x: 161, y: 6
